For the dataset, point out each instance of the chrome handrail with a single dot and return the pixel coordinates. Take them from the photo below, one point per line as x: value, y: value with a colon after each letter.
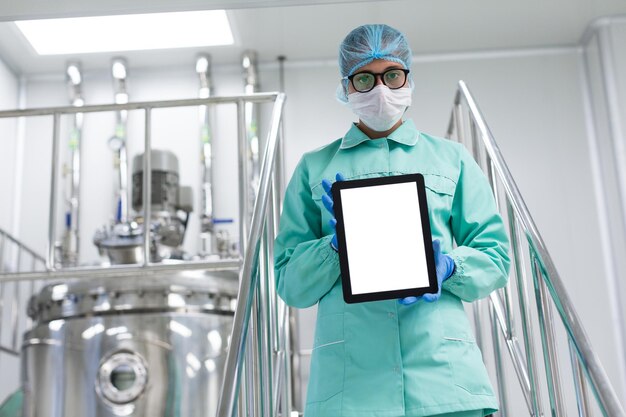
x: 4, y: 235
x: 15, y: 264
x: 272, y: 353
x: 546, y: 277
x: 248, y: 279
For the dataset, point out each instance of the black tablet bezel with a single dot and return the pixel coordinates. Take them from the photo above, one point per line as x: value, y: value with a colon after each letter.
x: 348, y: 296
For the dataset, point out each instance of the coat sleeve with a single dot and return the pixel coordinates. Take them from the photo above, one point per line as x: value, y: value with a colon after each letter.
x: 305, y: 264
x: 481, y: 257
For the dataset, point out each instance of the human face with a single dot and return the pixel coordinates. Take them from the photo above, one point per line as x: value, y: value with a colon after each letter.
x: 377, y: 66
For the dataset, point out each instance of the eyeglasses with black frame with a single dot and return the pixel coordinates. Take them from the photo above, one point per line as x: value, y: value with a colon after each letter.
x: 365, y: 81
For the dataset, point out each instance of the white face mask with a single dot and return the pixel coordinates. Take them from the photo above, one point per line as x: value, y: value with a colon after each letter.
x: 380, y: 108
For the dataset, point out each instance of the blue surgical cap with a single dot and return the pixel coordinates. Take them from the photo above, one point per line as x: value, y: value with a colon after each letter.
x: 367, y: 43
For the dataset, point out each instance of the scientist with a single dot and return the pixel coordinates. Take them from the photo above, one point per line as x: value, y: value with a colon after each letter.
x: 416, y: 356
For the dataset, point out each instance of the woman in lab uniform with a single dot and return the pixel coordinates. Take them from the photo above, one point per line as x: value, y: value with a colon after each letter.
x: 411, y: 357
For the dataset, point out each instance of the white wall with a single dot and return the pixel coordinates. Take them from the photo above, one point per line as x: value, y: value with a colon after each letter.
x: 618, y: 38
x: 8, y: 100
x: 604, y: 64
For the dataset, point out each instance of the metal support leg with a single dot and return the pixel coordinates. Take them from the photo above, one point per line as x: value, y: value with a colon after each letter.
x: 504, y: 411
x: 580, y: 384
x: 548, y: 342
x: 147, y: 186
x: 56, y: 128
x: 522, y: 295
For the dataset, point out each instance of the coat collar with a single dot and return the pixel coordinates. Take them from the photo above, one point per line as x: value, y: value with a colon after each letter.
x: 405, y: 134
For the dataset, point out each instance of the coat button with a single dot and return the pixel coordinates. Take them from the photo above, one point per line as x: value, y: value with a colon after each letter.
x: 396, y: 369
x: 391, y: 315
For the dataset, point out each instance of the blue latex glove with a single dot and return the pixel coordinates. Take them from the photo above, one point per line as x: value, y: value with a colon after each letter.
x: 327, y: 200
x: 444, y: 265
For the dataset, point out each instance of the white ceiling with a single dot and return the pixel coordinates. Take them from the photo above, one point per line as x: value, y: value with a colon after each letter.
x: 305, y: 30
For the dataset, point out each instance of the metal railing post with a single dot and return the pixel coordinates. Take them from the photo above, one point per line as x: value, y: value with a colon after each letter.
x: 244, y: 206
x: 504, y: 404
x: 580, y: 386
x: 522, y: 295
x: 548, y: 341
x: 56, y: 133
x: 147, y: 185
x: 544, y: 273
x: 248, y: 275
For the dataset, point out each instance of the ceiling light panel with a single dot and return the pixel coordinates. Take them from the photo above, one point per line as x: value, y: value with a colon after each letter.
x: 127, y: 32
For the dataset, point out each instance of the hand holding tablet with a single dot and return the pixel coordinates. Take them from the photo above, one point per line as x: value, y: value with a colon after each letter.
x: 444, y: 265
x: 384, y: 238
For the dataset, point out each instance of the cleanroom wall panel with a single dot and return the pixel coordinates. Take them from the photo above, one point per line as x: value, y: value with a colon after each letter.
x: 9, y: 87
x: 533, y: 104
x: 8, y: 129
x: 605, y: 63
x: 618, y: 32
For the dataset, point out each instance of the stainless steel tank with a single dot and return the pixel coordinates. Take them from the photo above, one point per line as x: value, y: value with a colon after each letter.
x: 147, y: 346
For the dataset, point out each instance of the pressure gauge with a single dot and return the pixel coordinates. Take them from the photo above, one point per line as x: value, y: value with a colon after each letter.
x: 116, y: 143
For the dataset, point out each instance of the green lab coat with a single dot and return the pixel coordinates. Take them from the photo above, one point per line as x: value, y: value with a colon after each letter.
x: 384, y: 359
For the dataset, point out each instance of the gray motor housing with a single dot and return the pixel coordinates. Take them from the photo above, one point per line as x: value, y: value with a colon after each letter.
x: 167, y: 194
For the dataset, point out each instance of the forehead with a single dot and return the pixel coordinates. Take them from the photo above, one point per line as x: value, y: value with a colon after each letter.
x: 379, y: 65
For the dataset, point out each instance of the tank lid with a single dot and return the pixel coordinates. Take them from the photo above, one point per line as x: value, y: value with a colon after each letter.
x: 190, y: 291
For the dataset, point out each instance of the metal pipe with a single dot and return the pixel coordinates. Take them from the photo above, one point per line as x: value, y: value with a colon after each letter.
x: 278, y: 383
x: 506, y: 291
x: 600, y: 383
x: 15, y: 309
x: 147, y: 186
x: 548, y: 342
x: 251, y: 85
x: 119, y: 71
x: 296, y: 365
x: 265, y: 308
x: 2, y: 244
x: 203, y: 69
x: 243, y: 177
x: 512, y: 346
x: 9, y: 351
x: 582, y: 402
x: 522, y: 295
x: 141, y: 105
x: 279, y: 171
x: 2, y: 286
x: 226, y: 405
x: 71, y: 243
x: 56, y: 126
x: 476, y: 147
x: 122, y: 270
x: 251, y: 375
x: 289, y: 387
x: 24, y: 247
x: 270, y: 234
x: 504, y: 404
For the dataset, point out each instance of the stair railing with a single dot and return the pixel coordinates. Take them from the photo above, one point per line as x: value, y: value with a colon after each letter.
x: 467, y: 126
x: 264, y: 363
x: 264, y: 358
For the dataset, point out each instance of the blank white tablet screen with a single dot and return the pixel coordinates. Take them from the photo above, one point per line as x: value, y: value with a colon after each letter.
x: 384, y: 239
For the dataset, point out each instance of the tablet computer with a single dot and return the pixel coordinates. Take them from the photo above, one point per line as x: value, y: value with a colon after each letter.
x: 384, y: 240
